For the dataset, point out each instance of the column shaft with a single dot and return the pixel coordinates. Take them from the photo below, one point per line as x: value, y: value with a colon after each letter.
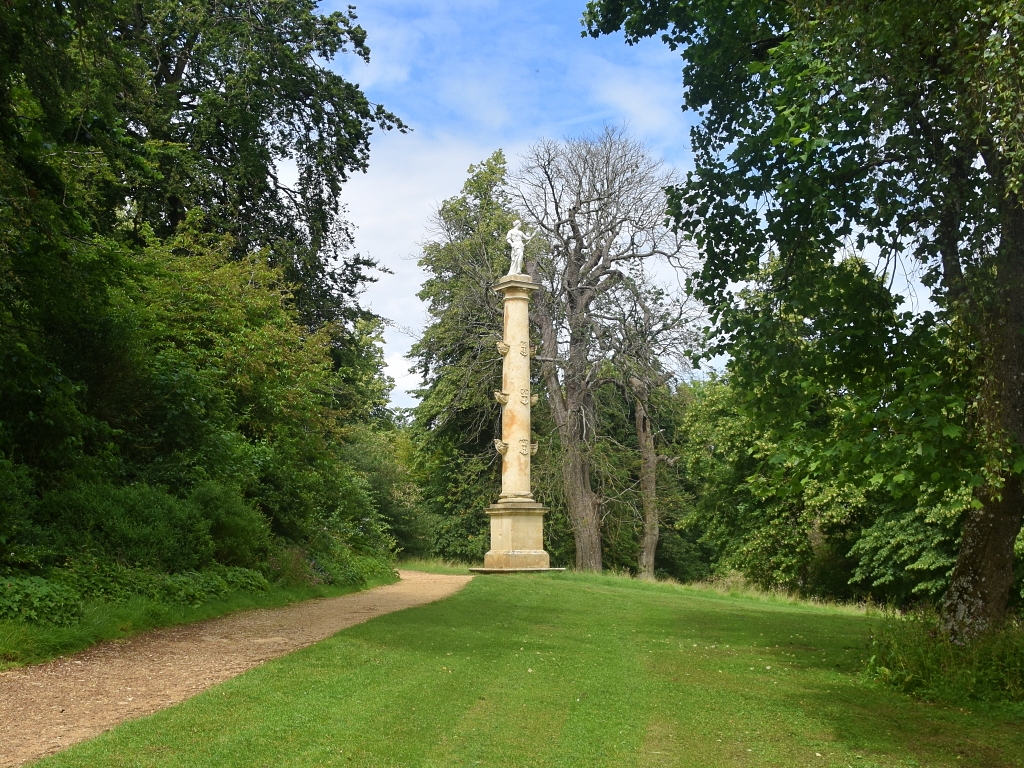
x: 515, y: 417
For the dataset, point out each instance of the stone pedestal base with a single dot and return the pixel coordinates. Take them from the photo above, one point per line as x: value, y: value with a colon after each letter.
x: 517, y: 537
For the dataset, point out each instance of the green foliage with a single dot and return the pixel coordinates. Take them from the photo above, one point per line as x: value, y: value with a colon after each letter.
x: 763, y: 536
x: 386, y: 457
x: 762, y: 508
x: 837, y: 145
x: 139, y: 525
x: 187, y: 380
x: 96, y: 579
x: 240, y: 534
x: 15, y: 514
x: 59, y: 599
x: 37, y: 600
x: 457, y: 355
x: 682, y: 556
x: 454, y: 424
x: 914, y: 654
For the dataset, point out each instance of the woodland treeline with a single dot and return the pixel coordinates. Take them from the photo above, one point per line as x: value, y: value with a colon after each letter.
x: 729, y: 378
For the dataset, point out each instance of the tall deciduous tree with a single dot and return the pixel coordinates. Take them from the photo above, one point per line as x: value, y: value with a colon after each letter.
x: 648, y: 335
x: 236, y: 91
x: 828, y: 127
x: 597, y: 204
x: 144, y: 337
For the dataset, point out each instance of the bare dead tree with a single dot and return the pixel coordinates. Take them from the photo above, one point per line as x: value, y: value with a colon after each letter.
x: 648, y: 333
x: 597, y: 206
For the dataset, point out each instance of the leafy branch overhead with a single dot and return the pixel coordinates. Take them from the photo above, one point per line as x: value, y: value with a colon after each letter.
x: 839, y: 144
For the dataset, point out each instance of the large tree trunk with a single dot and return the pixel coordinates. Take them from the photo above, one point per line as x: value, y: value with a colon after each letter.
x: 648, y: 480
x: 582, y: 506
x: 570, y: 404
x: 980, y: 586
x: 580, y: 500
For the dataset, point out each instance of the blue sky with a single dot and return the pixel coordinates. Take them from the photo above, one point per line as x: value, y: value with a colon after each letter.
x: 470, y: 78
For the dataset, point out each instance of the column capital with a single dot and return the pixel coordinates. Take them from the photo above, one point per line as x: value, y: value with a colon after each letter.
x: 511, y: 285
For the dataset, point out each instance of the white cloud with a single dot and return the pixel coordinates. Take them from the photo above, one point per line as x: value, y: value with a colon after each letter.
x: 392, y: 207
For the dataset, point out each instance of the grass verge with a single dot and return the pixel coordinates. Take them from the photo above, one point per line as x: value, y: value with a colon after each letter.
x: 570, y: 670
x: 22, y: 643
x: 434, y: 565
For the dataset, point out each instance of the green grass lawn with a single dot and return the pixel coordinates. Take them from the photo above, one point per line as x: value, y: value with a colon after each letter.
x: 433, y: 565
x: 570, y: 670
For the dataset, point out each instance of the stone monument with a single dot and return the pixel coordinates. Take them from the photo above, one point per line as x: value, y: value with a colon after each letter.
x: 517, y: 520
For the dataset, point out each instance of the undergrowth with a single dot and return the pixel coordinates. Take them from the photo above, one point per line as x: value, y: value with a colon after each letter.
x: 913, y: 654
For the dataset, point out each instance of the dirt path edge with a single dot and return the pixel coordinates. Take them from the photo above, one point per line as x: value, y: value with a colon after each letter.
x: 49, y: 707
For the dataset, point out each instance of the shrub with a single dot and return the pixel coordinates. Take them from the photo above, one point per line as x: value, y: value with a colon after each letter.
x: 681, y: 557
x: 913, y: 653
x: 15, y: 515
x: 213, y: 584
x: 39, y: 601
x: 335, y: 562
x: 59, y: 599
x: 293, y: 567
x: 95, y: 579
x: 139, y: 525
x: 241, y: 534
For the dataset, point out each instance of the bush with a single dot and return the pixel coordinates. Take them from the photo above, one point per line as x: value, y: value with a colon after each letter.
x: 95, y: 579
x: 913, y: 653
x: 59, y: 599
x: 15, y: 515
x: 292, y: 567
x: 213, y: 584
x: 39, y: 601
x: 241, y: 534
x: 139, y: 525
x: 680, y: 556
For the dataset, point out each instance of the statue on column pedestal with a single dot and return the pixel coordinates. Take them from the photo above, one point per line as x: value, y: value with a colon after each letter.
x: 517, y: 534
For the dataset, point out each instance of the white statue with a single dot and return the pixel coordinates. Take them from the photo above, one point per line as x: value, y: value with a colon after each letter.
x: 517, y: 240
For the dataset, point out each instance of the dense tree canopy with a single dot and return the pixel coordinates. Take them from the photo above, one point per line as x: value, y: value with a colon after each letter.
x: 837, y: 142
x: 180, y: 333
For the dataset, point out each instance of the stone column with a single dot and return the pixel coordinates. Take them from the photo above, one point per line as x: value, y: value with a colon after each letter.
x: 517, y: 540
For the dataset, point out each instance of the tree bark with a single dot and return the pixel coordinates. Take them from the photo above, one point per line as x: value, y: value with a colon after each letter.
x: 979, y: 589
x: 648, y: 479
x: 582, y: 504
x: 598, y: 207
x: 571, y: 407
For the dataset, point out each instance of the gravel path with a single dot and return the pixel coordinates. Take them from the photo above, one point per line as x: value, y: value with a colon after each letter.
x: 51, y: 706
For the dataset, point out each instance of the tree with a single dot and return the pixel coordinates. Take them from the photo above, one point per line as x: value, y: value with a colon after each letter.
x: 458, y: 359
x: 235, y: 89
x: 836, y: 128
x: 155, y: 329
x: 648, y: 335
x: 597, y: 206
